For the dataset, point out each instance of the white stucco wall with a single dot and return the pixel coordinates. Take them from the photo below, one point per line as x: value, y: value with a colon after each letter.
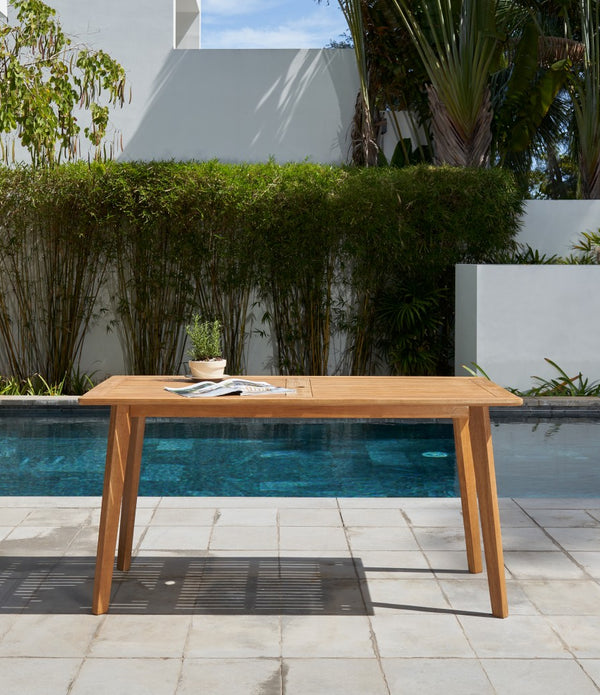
x: 248, y: 105
x: 553, y: 226
x: 234, y: 105
x: 510, y: 317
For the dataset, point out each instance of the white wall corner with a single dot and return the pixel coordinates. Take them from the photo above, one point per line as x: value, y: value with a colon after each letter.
x: 465, y: 338
x: 186, y: 24
x: 517, y: 315
x: 4, y: 8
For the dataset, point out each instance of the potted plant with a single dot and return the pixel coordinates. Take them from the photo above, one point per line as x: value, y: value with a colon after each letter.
x: 206, y: 348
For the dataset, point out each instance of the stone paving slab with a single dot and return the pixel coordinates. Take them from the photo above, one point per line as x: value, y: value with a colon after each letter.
x: 294, y: 596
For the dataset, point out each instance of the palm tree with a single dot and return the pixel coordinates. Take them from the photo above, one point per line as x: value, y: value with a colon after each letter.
x: 530, y: 108
x: 494, y: 73
x: 389, y: 75
x: 363, y: 136
x: 458, y: 44
x: 585, y: 91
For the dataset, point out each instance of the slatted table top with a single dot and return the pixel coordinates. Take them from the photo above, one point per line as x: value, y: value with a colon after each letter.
x: 313, y: 396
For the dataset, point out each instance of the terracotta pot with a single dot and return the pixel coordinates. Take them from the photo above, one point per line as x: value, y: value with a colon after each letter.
x: 207, y: 369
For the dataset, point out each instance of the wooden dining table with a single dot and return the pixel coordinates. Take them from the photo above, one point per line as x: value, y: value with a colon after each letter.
x: 463, y: 400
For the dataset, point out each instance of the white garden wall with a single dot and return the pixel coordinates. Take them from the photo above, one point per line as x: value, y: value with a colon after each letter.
x: 234, y: 105
x: 553, y: 226
x: 510, y: 317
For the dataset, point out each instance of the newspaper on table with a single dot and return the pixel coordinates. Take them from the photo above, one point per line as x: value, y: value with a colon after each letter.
x: 227, y: 387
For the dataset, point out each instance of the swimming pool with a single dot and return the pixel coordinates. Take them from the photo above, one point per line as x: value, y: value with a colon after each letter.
x: 61, y: 452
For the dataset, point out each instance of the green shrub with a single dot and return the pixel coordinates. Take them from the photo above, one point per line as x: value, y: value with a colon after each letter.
x: 298, y: 250
x: 365, y: 255
x: 151, y: 287
x: 55, y: 250
x: 224, y: 268
x: 405, y: 229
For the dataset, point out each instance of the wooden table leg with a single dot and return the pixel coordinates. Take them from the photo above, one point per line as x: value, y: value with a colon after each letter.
x: 130, y: 493
x: 112, y: 497
x: 485, y: 476
x: 468, y: 493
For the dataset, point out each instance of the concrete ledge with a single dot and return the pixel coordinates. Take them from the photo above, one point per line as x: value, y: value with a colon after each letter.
x: 563, y: 402
x: 558, y: 407
x: 46, y: 401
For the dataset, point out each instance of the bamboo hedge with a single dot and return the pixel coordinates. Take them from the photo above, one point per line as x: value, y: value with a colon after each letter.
x: 363, y: 255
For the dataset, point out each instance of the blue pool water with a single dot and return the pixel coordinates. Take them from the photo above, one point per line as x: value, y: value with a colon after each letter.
x: 51, y: 452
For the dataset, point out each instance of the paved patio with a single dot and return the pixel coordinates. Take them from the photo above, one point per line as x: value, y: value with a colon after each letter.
x: 299, y: 596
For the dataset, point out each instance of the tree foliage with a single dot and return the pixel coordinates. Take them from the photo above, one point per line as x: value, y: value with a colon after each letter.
x: 46, y: 81
x: 504, y: 83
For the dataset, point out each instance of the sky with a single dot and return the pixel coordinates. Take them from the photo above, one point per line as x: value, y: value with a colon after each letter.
x: 270, y: 23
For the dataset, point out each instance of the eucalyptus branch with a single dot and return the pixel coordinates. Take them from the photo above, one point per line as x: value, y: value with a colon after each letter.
x: 44, y: 78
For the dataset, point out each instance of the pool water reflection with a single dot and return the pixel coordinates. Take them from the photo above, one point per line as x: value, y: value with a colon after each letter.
x: 61, y: 452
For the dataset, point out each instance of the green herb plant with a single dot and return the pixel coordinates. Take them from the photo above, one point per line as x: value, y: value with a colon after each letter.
x: 205, y: 338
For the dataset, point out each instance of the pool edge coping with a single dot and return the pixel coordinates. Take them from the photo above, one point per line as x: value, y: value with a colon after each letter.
x: 38, y: 400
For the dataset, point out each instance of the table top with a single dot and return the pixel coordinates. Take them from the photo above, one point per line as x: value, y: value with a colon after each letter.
x: 313, y: 396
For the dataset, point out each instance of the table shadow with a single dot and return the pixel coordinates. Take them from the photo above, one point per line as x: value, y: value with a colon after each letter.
x: 183, y: 585
x: 189, y: 585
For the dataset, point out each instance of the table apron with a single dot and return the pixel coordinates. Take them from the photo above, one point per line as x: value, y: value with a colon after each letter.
x: 372, y: 411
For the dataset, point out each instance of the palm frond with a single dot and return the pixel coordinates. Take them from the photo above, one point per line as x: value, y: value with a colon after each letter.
x: 457, y: 53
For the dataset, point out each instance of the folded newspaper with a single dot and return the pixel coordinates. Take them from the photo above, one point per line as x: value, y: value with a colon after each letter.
x: 228, y: 387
